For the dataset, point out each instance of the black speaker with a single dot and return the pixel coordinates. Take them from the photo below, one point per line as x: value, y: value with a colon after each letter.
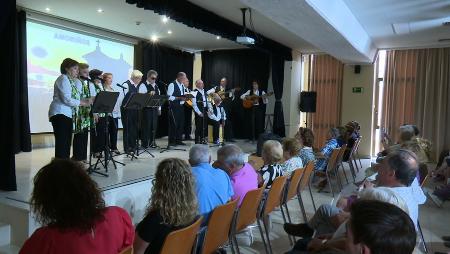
x: 263, y: 138
x: 308, y: 101
x: 357, y: 69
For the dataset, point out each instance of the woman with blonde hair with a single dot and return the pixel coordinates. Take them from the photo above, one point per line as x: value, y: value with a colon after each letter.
x: 173, y: 205
x: 272, y: 154
x: 291, y: 148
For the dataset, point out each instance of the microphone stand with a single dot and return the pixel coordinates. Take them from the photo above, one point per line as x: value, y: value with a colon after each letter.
x: 169, y: 148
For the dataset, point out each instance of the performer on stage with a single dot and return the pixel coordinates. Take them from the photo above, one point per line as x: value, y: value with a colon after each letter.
x: 113, y: 121
x: 150, y: 115
x: 84, y: 121
x: 187, y: 114
x: 221, y: 89
x: 130, y: 116
x: 64, y: 106
x: 175, y: 91
x: 98, y: 128
x: 258, y: 109
x: 199, y: 103
x: 217, y: 116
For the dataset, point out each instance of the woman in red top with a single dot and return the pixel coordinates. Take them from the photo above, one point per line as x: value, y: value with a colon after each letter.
x: 70, y: 206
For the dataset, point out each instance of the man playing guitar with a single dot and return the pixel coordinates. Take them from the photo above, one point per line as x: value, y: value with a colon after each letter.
x: 259, y: 100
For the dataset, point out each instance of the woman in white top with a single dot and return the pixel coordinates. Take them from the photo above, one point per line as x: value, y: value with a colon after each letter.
x: 291, y: 148
x: 113, y: 121
x: 66, y: 99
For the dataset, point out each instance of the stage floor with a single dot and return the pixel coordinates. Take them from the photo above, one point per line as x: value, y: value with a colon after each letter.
x: 143, y: 168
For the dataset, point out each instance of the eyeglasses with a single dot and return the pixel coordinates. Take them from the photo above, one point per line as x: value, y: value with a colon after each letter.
x: 152, y: 78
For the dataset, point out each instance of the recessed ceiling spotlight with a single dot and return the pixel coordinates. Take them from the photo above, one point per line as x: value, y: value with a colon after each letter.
x: 169, y: 32
x: 154, y: 38
x: 47, y: 9
x: 218, y: 37
x: 100, y: 10
x: 164, y: 19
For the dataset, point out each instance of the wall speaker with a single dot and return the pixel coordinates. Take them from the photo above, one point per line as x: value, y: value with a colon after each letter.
x: 357, y: 69
x: 308, y: 101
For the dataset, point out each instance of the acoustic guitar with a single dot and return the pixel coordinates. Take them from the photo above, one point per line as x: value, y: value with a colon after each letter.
x: 250, y: 100
x: 223, y: 94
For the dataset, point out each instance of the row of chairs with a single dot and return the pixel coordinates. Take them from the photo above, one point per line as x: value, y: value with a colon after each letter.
x: 227, y: 220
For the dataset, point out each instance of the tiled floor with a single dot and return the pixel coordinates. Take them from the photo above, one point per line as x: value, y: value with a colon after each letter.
x: 435, y: 221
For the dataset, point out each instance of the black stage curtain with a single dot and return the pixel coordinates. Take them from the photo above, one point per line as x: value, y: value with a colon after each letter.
x: 195, y: 16
x: 240, y: 67
x: 277, y: 82
x: 167, y: 62
x: 13, y: 100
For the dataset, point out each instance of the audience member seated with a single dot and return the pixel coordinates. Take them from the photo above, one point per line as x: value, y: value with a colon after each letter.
x: 407, y: 140
x: 377, y: 228
x: 306, y: 138
x: 244, y: 177
x: 442, y: 171
x: 337, y: 239
x: 69, y: 205
x: 397, y: 171
x: 272, y: 154
x: 213, y: 186
x: 327, y: 149
x: 172, y: 205
x: 291, y: 149
x: 352, y: 134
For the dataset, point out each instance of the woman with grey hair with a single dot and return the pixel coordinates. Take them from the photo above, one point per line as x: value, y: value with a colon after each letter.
x: 327, y: 149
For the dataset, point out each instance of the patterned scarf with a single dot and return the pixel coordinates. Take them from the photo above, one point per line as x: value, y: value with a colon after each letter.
x: 81, y: 114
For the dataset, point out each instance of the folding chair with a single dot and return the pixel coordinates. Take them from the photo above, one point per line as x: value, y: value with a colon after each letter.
x: 182, y: 241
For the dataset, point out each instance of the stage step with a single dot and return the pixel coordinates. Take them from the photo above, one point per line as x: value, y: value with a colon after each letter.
x: 5, y: 234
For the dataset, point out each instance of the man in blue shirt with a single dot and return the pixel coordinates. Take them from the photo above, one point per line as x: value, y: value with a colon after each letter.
x: 213, y: 186
x: 327, y: 149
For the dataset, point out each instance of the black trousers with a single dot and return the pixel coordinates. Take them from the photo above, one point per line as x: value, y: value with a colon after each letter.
x: 187, y: 122
x: 113, y: 124
x: 80, y: 144
x: 98, y: 136
x: 176, y: 122
x: 62, y: 129
x: 149, y: 124
x: 201, y: 128
x: 215, y: 128
x: 130, y: 128
x: 228, y: 130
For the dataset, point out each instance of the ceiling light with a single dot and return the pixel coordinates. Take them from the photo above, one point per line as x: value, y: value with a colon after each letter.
x: 154, y: 38
x: 100, y: 10
x: 218, y: 37
x: 47, y: 9
x: 164, y: 19
x: 169, y: 32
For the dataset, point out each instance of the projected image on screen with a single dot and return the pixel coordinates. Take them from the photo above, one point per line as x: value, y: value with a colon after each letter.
x: 47, y: 46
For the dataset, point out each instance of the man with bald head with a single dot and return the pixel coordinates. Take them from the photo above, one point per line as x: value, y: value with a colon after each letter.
x: 176, y: 91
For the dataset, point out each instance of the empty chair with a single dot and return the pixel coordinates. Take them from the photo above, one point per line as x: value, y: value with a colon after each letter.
x: 219, y: 226
x: 306, y: 182
x: 273, y: 200
x: 356, y: 152
x: 181, y: 241
x: 331, y: 169
x: 291, y: 190
x: 246, y: 214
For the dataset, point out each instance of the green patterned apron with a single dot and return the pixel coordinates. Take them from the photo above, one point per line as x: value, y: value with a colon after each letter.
x: 81, y: 114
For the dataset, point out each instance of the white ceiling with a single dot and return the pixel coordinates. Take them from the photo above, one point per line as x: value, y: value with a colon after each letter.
x: 121, y: 17
x: 422, y: 17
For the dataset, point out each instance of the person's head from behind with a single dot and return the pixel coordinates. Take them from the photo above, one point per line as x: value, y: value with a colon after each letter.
x: 230, y: 158
x: 136, y: 76
x: 333, y: 133
x: 305, y: 136
x: 84, y: 70
x: 406, y: 133
x: 199, y: 154
x: 65, y: 197
x: 377, y: 227
x: 398, y: 168
x: 291, y: 148
x: 69, y: 67
x: 173, y: 192
x: 272, y: 152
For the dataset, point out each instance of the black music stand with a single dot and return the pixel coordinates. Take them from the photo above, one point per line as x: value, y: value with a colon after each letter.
x: 104, y: 104
x: 171, y: 118
x: 136, y: 102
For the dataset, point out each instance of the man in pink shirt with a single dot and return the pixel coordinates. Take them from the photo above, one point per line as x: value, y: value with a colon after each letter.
x: 243, y: 176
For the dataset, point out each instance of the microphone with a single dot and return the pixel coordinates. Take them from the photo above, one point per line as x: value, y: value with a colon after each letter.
x: 121, y: 86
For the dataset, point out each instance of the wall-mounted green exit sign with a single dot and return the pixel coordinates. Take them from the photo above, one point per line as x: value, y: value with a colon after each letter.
x: 357, y: 89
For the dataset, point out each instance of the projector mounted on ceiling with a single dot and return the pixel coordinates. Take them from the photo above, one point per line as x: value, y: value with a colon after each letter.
x: 244, y: 39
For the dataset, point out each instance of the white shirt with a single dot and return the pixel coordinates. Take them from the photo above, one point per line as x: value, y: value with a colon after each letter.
x: 142, y: 88
x: 116, y: 110
x: 154, y: 89
x: 63, y: 102
x: 171, y: 88
x: 265, y: 100
x: 194, y: 100
x: 413, y: 196
x: 221, y: 115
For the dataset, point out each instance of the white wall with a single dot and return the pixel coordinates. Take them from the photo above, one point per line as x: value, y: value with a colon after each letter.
x: 358, y: 106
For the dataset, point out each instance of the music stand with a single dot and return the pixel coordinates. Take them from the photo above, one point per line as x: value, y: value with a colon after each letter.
x: 136, y: 102
x: 104, y: 104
